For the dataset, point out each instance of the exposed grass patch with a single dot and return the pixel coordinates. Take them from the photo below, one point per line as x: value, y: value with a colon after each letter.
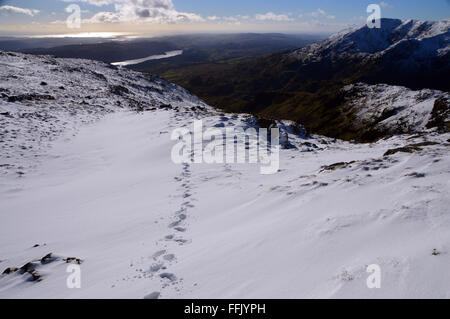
x: 409, y: 148
x: 335, y: 166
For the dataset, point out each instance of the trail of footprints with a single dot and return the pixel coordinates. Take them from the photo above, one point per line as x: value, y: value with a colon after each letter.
x: 163, y: 259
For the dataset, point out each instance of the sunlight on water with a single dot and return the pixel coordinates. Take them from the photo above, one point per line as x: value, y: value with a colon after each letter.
x: 85, y: 35
x: 166, y: 55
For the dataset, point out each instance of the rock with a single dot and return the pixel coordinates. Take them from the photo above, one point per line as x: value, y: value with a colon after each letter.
x: 118, y: 90
x: 440, y: 115
x: 48, y: 259
x: 73, y: 260
x: 153, y: 295
x: 10, y: 270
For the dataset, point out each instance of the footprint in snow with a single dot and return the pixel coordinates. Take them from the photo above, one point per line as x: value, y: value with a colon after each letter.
x: 158, y: 254
x: 175, y: 224
x: 156, y: 267
x: 169, y: 257
x: 169, y: 276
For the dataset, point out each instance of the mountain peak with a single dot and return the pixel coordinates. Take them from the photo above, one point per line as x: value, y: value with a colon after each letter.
x: 363, y: 41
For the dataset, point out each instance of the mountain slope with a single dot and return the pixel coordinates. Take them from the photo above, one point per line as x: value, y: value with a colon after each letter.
x: 110, y: 200
x: 431, y: 37
x: 306, y: 85
x: 410, y: 53
x: 43, y: 98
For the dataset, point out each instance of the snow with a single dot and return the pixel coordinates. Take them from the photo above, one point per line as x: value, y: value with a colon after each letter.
x: 409, y: 110
x: 146, y: 228
x: 53, y: 97
x: 109, y: 195
x: 362, y: 42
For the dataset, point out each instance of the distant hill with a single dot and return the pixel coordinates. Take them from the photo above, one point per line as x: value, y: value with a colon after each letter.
x: 306, y: 85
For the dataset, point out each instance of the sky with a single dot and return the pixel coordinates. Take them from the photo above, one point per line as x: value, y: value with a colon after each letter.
x: 159, y: 17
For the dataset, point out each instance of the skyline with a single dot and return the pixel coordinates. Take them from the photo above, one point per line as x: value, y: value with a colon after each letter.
x: 160, y: 17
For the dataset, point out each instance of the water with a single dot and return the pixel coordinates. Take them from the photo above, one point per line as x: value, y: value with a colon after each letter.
x: 166, y: 55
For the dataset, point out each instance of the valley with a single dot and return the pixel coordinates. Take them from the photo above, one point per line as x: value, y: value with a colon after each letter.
x: 89, y: 186
x: 107, y: 196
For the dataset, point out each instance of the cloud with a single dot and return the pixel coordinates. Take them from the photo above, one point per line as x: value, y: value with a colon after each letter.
x: 230, y: 19
x: 385, y: 5
x: 246, y: 17
x: 270, y: 16
x: 139, y: 11
x: 103, y: 17
x: 28, y: 12
x: 318, y: 12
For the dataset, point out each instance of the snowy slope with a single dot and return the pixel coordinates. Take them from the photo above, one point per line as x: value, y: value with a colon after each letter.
x: 43, y: 98
x: 425, y: 39
x: 145, y: 227
x: 394, y: 109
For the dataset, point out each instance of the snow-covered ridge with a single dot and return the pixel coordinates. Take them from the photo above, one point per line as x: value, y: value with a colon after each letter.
x: 42, y: 98
x: 431, y: 37
x: 394, y: 109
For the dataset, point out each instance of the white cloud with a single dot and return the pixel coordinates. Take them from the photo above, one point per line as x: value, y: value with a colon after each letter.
x: 318, y: 12
x: 11, y: 9
x: 213, y: 18
x: 103, y: 17
x: 230, y: 19
x: 385, y: 5
x: 153, y: 11
x: 270, y: 16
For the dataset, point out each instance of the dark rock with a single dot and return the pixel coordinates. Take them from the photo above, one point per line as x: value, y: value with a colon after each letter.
x: 99, y: 76
x: 7, y: 114
x: 73, y: 260
x: 27, y: 267
x: 153, y: 295
x: 118, y: 90
x: 49, y: 258
x: 10, y: 270
x: 35, y: 276
x: 409, y: 148
x: 435, y: 252
x: 30, y: 97
x: 265, y: 123
x: 335, y: 166
x: 440, y: 115
x: 415, y: 174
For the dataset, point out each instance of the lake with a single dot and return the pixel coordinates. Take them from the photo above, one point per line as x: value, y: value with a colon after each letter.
x: 166, y: 55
